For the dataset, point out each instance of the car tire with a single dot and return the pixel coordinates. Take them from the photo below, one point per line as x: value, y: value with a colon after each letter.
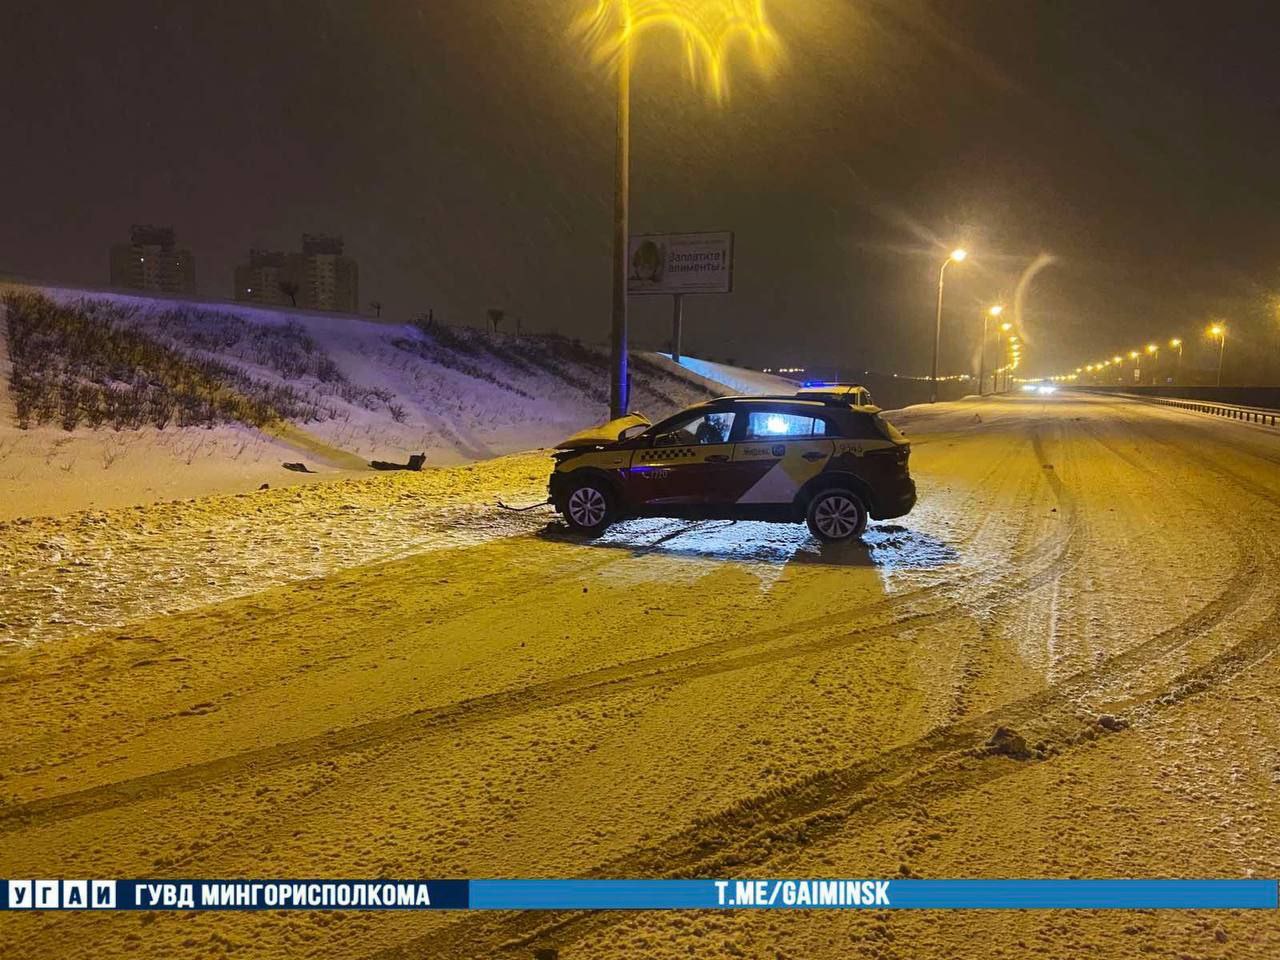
x: 836, y: 515
x: 588, y: 508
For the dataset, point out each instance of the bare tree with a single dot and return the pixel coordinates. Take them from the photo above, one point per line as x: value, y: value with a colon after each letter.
x: 290, y: 289
x: 376, y: 307
x: 496, y: 317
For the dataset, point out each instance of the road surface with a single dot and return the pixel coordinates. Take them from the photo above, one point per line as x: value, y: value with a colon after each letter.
x: 1098, y: 576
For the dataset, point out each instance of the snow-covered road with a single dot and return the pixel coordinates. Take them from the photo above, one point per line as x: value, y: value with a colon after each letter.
x: 440, y: 692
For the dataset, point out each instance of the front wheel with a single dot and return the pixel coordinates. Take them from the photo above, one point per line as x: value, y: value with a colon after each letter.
x: 589, y: 508
x: 836, y: 515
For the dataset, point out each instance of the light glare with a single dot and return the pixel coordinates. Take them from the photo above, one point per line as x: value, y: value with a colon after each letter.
x: 708, y: 29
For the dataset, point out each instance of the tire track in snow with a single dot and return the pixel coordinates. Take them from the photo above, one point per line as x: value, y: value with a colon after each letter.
x: 968, y: 670
x: 267, y: 823
x: 658, y: 670
x: 946, y: 761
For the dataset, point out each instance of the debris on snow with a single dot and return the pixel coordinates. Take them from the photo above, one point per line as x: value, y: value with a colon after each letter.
x: 1006, y: 742
x: 414, y: 463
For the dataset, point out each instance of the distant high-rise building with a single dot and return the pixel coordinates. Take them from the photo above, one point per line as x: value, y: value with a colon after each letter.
x: 318, y: 278
x: 266, y: 277
x: 152, y: 260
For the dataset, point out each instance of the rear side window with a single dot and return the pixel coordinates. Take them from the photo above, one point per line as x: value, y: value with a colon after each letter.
x: 769, y: 425
x: 857, y: 425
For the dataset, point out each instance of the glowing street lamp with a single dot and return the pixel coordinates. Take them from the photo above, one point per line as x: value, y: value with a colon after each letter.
x: 958, y: 255
x: 1219, y: 330
x: 1177, y: 370
x: 1152, y: 351
x: 982, y: 353
x: 708, y: 29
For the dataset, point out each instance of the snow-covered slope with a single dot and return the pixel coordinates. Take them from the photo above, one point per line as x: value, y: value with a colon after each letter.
x: 330, y: 391
x: 738, y: 379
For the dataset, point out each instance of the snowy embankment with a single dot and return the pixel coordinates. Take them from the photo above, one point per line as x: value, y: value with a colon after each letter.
x: 177, y: 398
x: 737, y: 379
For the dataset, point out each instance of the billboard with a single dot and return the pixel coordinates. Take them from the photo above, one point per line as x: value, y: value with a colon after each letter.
x: 676, y: 263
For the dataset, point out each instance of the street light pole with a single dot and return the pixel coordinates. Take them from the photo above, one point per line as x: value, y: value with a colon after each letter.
x: 982, y: 354
x: 619, y: 387
x: 1003, y: 329
x: 956, y: 255
x: 1177, y: 369
x: 1219, y: 330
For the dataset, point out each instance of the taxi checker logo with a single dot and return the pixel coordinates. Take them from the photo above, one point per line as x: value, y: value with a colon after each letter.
x: 62, y: 894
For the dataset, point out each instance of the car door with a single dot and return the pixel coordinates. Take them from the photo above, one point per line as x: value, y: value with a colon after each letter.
x: 686, y: 464
x: 780, y: 449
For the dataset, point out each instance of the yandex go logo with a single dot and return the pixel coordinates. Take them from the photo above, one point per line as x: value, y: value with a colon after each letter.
x: 61, y: 894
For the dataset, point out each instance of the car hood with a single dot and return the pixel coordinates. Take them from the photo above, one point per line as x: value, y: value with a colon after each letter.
x: 605, y: 433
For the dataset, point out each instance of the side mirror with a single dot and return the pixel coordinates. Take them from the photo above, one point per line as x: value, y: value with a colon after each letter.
x: 633, y: 431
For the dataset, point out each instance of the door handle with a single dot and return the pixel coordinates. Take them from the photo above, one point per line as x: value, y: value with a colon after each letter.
x: 813, y: 455
x: 718, y: 458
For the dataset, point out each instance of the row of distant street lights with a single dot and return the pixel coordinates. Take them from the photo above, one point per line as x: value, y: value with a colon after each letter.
x: 1003, y: 331
x: 1216, y: 331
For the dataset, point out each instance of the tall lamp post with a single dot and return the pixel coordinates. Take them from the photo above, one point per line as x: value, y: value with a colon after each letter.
x: 1219, y: 330
x: 1177, y: 370
x: 957, y: 256
x: 982, y: 354
x: 1119, y: 361
x: 1153, y: 351
x: 619, y: 384
x: 708, y: 29
x: 1000, y: 333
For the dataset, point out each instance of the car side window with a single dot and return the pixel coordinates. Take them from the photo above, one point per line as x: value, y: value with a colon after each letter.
x: 858, y: 425
x: 707, y: 428
x: 770, y: 425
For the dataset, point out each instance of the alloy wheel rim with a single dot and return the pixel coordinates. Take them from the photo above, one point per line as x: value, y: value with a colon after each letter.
x: 836, y: 516
x: 587, y: 506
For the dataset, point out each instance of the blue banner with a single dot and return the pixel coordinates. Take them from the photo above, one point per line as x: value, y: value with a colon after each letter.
x: 772, y: 894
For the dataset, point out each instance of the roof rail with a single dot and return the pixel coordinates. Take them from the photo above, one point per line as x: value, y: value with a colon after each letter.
x: 826, y: 399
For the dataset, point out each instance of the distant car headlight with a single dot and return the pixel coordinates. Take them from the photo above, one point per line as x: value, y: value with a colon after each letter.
x: 1029, y: 387
x: 1048, y: 388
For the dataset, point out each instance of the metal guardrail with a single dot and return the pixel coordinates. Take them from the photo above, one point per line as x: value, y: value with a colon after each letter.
x: 1231, y: 411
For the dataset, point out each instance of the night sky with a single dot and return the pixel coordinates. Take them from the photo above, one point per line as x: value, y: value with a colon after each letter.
x: 464, y: 150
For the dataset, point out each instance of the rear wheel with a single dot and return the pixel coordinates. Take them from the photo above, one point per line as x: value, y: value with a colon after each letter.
x: 836, y: 515
x: 589, y: 508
